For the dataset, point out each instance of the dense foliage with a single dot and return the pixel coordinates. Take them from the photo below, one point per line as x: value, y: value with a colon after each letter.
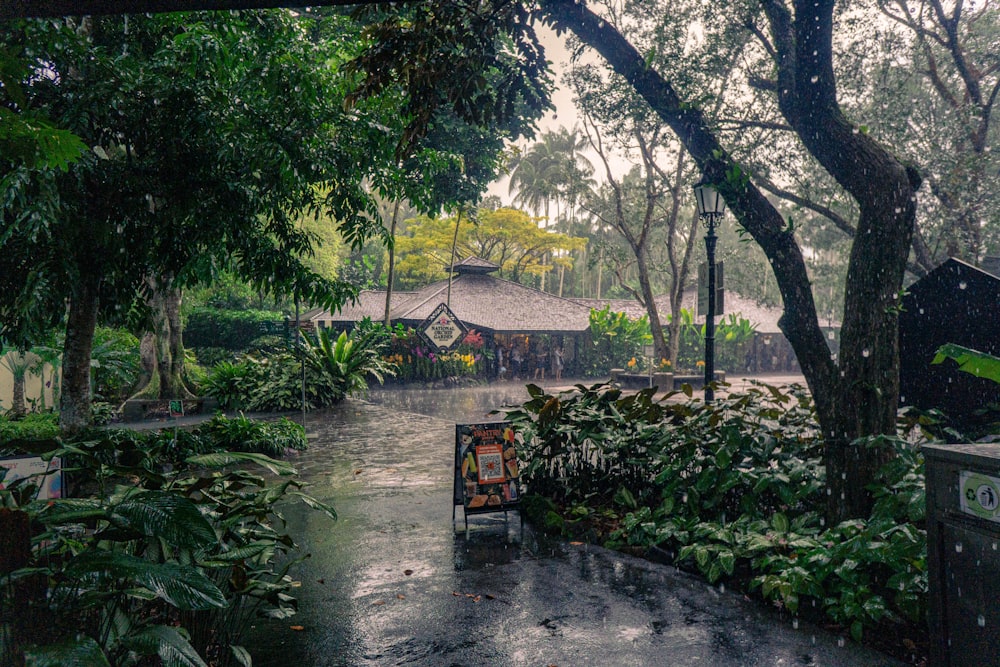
x: 618, y: 342
x: 230, y: 329
x: 417, y: 362
x: 734, y: 490
x: 329, y: 369
x: 167, y: 550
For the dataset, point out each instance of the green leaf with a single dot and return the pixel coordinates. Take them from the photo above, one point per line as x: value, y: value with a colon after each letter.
x: 974, y: 362
x: 82, y: 651
x: 315, y: 504
x: 728, y: 561
x: 780, y: 522
x: 166, y: 515
x: 182, y: 586
x: 241, y: 655
x: 223, y: 459
x: 168, y: 643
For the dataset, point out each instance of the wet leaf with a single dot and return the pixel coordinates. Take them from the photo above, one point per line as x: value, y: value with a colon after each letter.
x: 407, y: 572
x: 297, y: 628
x: 378, y: 602
x: 400, y: 596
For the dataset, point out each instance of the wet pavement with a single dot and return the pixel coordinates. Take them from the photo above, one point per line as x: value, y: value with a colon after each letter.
x: 395, y: 582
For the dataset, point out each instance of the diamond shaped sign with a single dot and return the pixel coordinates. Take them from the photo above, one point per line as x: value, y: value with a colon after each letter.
x: 442, y: 330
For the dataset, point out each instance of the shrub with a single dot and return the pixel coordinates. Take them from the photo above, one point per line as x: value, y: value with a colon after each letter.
x: 114, y: 364
x: 33, y: 426
x: 733, y: 490
x: 229, y: 329
x: 169, y: 559
x: 334, y: 369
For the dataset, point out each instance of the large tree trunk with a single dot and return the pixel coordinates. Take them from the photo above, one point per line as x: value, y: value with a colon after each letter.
x: 162, y: 350
x: 858, y: 398
x: 391, y: 271
x: 74, y: 410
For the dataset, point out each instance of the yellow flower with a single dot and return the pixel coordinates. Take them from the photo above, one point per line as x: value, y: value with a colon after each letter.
x: 700, y: 364
x: 631, y: 362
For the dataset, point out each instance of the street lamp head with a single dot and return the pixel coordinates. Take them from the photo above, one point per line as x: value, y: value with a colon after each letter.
x: 710, y: 203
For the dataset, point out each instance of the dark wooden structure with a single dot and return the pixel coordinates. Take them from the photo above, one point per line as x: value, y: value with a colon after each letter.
x: 954, y: 303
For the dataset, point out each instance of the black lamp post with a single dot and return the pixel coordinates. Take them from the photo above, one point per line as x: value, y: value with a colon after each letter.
x: 711, y: 206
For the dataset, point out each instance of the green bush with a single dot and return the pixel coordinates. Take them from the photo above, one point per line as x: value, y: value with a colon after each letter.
x: 733, y: 490
x: 114, y: 365
x: 230, y: 329
x: 334, y: 369
x: 161, y: 562
x: 33, y: 426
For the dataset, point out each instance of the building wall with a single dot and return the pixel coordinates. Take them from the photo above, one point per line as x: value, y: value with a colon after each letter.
x: 32, y: 388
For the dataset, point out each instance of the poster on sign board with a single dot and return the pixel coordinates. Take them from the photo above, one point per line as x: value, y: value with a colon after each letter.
x: 46, y: 474
x: 487, y: 478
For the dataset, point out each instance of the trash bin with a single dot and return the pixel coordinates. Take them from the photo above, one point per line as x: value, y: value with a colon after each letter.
x: 963, y: 553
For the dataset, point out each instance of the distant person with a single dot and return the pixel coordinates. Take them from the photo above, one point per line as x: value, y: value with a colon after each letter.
x: 557, y: 363
x: 515, y: 362
x: 501, y: 368
x: 541, y: 360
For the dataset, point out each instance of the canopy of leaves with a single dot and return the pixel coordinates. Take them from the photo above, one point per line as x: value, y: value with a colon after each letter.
x: 208, y: 133
x: 507, y: 237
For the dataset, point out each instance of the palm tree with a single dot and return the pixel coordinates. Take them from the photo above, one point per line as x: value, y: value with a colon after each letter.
x: 553, y: 170
x: 18, y: 363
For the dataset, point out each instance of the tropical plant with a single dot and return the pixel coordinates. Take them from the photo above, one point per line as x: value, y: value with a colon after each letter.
x: 616, y: 338
x: 165, y: 561
x: 225, y: 383
x: 974, y: 362
x: 18, y: 363
x: 734, y: 491
x: 343, y: 365
x: 114, y: 364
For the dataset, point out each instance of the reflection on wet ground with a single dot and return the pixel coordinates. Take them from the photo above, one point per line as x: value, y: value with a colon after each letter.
x: 395, y: 582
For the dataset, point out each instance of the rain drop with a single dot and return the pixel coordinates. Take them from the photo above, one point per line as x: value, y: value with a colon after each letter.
x: 962, y: 285
x: 866, y: 353
x: 898, y: 210
x: 795, y: 623
x: 981, y: 621
x: 994, y: 546
x: 921, y: 311
x: 722, y: 588
x: 814, y: 79
x: 958, y: 547
x: 840, y: 642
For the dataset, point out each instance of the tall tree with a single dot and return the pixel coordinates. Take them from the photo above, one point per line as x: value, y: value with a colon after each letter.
x: 208, y: 133
x: 507, y: 237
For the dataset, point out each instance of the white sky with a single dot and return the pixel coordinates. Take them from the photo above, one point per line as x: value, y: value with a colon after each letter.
x: 565, y: 113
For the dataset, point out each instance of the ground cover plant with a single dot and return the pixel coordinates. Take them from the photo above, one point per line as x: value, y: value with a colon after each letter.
x: 167, y: 547
x: 734, y: 491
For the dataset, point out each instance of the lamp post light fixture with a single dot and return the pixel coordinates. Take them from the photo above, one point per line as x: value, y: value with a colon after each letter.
x: 711, y: 206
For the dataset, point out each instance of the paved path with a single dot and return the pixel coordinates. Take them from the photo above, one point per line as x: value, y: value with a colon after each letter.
x: 394, y: 582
